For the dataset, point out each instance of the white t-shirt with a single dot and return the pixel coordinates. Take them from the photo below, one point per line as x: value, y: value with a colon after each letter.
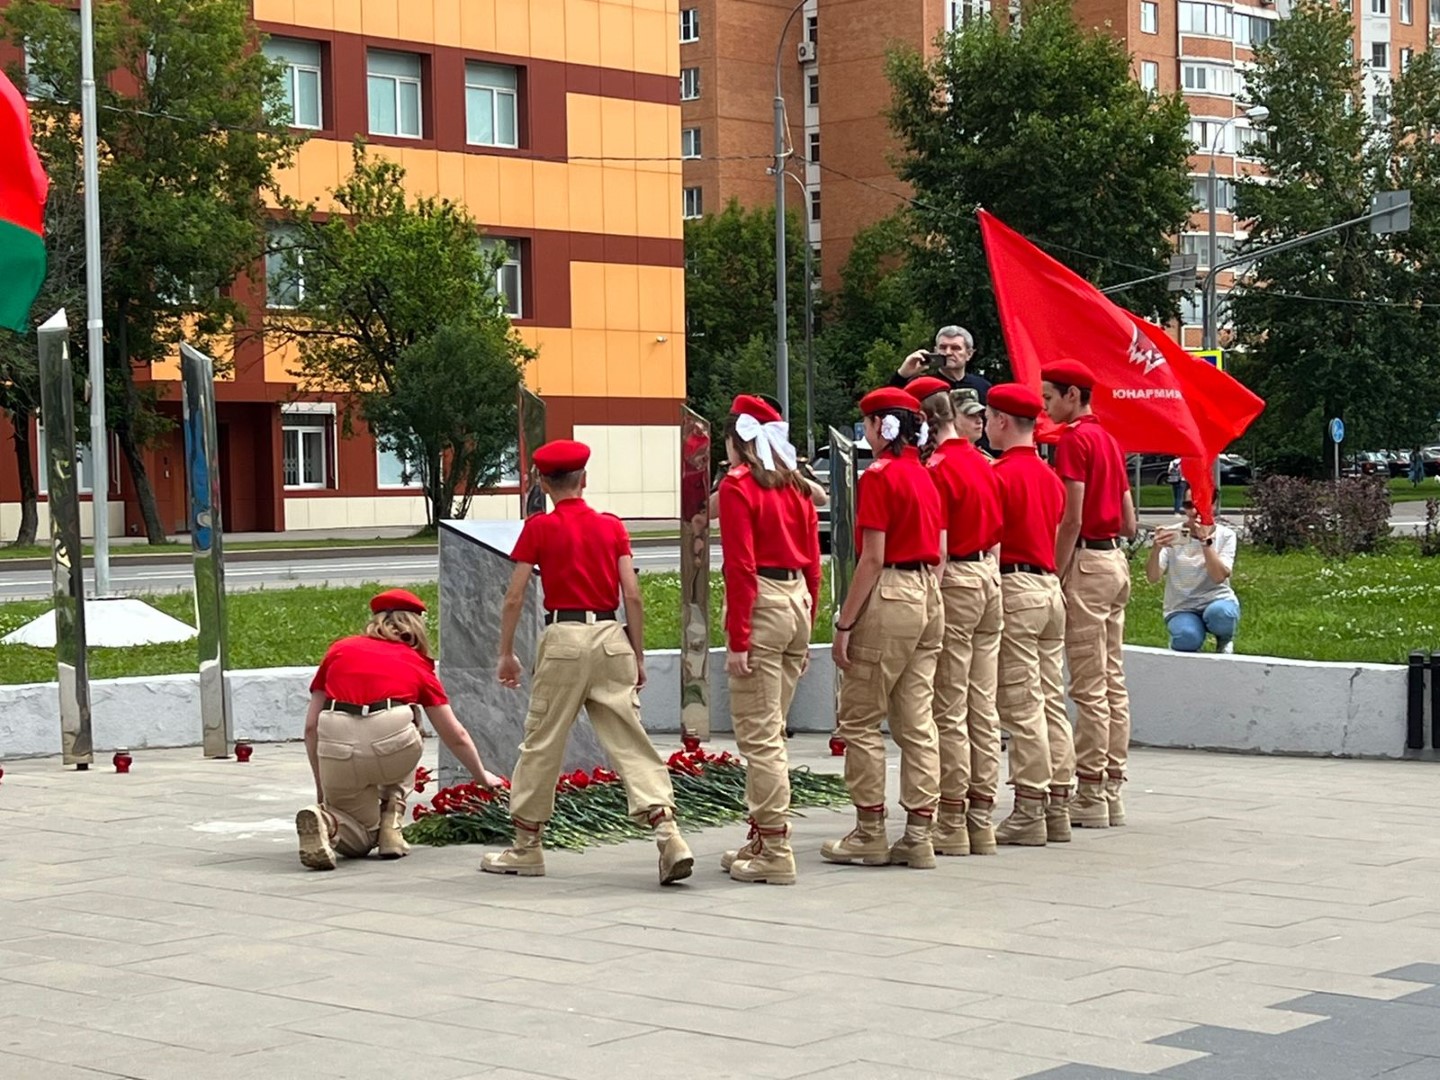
x: 1188, y: 586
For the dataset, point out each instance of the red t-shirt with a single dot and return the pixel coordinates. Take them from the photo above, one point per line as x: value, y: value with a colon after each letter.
x: 897, y: 497
x: 578, y: 551
x: 361, y: 670
x: 1089, y: 454
x: 772, y: 527
x: 1032, y: 501
x: 969, y: 496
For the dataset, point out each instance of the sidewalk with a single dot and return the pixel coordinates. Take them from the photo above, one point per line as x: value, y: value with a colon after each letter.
x: 1260, y: 919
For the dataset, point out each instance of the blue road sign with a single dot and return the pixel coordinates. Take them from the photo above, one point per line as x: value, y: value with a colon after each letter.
x: 1337, y: 430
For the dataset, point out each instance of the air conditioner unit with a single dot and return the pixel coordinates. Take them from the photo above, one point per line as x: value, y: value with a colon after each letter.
x: 805, y: 52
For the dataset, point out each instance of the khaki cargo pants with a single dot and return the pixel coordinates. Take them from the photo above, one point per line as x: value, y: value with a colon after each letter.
x: 965, y: 674
x: 1097, y: 588
x: 1031, y: 694
x: 893, y: 651
x: 759, y: 702
x: 364, y: 761
x: 590, y: 665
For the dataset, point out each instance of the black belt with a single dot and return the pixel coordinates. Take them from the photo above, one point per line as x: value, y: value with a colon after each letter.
x: 1024, y: 568
x: 778, y: 573
x: 974, y: 556
x: 907, y: 566
x: 552, y: 617
x: 1100, y: 545
x: 365, y: 710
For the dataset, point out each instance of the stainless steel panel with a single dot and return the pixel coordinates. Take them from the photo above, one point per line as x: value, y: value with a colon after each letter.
x: 694, y: 574
x: 532, y: 437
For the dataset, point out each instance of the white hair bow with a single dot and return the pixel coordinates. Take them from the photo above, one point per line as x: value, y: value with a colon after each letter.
x: 924, y: 432
x: 771, y: 440
x: 889, y: 427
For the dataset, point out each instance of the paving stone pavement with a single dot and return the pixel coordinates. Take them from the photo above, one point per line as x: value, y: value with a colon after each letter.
x: 1259, y: 918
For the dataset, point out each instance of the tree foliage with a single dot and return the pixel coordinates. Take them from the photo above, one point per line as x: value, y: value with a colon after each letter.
x: 1337, y: 327
x: 191, y: 131
x: 1045, y: 127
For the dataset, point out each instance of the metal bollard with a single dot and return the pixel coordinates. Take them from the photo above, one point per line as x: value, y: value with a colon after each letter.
x: 1415, y: 701
x: 1434, y: 701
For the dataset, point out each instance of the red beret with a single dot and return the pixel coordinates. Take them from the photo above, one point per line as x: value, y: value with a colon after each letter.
x: 397, y: 600
x: 888, y: 397
x: 561, y: 456
x: 749, y: 405
x: 1013, y: 399
x: 926, y: 386
x: 1068, y: 373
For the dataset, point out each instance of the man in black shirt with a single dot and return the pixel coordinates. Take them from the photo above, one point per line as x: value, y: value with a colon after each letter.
x: 956, y: 344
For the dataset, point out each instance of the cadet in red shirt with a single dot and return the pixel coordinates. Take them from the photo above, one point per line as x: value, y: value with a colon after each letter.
x: 362, y: 734
x: 585, y: 658
x: 888, y: 635
x: 771, y: 540
x: 965, y: 717
x: 1031, y: 695
x: 1095, y: 572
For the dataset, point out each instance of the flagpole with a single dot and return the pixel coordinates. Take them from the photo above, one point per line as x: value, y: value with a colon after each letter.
x: 94, y: 322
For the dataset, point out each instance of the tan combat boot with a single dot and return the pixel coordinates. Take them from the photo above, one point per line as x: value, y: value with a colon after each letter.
x: 676, y: 862
x: 1025, y: 827
x: 747, y: 850
x: 524, y: 858
x: 313, y: 826
x: 1112, y: 797
x: 1090, y: 809
x: 1057, y: 816
x: 392, y: 843
x: 770, y: 862
x: 951, y: 835
x: 865, y: 845
x: 982, y: 829
x: 915, y: 848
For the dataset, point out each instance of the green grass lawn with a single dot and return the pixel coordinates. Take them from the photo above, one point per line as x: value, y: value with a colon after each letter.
x: 1373, y: 608
x: 182, y: 547
x: 1237, y: 497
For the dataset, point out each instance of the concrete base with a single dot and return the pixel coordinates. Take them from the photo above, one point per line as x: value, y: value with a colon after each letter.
x: 116, y: 622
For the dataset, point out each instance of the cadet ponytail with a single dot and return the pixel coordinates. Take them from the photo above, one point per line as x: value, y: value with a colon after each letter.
x: 405, y: 627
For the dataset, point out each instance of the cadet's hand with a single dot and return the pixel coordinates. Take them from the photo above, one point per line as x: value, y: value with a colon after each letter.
x: 508, y: 671
x: 914, y: 364
x: 738, y: 663
x: 840, y: 649
x: 640, y: 675
x: 805, y: 663
x: 490, y: 780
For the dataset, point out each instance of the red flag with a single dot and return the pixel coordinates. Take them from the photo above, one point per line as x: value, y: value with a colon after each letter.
x: 1151, y: 394
x: 23, y: 186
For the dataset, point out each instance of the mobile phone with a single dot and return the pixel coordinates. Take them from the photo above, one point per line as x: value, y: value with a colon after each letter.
x: 935, y: 361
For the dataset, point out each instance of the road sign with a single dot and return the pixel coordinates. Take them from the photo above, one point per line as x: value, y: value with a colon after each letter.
x: 1214, y: 357
x: 1337, y: 430
x: 1392, y: 212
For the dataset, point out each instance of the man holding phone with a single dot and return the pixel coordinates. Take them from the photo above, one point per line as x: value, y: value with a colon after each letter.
x: 954, y: 347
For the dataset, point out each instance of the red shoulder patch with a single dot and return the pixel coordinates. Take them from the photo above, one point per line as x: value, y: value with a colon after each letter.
x: 878, y: 465
x: 739, y: 471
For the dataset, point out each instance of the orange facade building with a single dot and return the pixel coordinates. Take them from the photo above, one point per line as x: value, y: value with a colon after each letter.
x: 557, y: 123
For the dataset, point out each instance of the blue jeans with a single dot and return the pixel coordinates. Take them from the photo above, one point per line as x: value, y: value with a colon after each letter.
x: 1188, y: 628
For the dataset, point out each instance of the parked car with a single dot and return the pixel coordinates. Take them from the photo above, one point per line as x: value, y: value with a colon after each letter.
x: 1371, y: 463
x: 1399, y: 461
x: 1430, y: 458
x: 1234, y: 469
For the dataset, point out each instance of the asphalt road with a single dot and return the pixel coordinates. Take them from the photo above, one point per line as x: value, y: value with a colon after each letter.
x: 354, y: 568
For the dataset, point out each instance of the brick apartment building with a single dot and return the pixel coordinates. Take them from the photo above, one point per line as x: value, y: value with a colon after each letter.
x: 556, y: 122
x: 833, y: 79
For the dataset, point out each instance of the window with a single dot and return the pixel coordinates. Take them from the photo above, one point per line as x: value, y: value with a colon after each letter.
x: 1407, y: 11
x: 814, y: 147
x: 393, y: 85
x: 690, y: 143
x: 1379, y: 7
x: 300, y: 64
x: 961, y: 13
x: 815, y: 205
x: 1192, y: 309
x: 284, y: 268
x: 492, y: 105
x: 1149, y: 17
x: 1209, y: 19
x: 1406, y: 57
x: 1252, y: 142
x: 1252, y: 30
x: 689, y: 25
x: 395, y: 470
x: 812, y: 88
x: 1207, y: 79
x: 1380, y: 109
x: 1435, y: 15
x: 508, y: 275
x: 1380, y: 55
x: 689, y: 84
x: 1204, y: 133
x: 82, y: 464
x: 1224, y: 193
x: 812, y: 29
x: 39, y: 89
x: 307, y: 440
x: 1149, y: 75
x: 1198, y: 244
x: 694, y: 203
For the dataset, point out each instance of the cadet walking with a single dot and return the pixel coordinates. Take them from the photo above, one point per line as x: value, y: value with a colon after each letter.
x: 772, y: 586
x: 584, y: 659
x: 888, y: 635
x: 1095, y: 572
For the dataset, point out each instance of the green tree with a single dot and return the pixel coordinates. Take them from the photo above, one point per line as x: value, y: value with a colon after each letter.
x: 399, y: 312
x: 1045, y: 127
x: 1337, y: 327
x: 192, y: 130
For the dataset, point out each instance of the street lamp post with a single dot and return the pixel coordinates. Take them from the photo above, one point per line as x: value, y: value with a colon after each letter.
x: 782, y: 340
x: 809, y: 334
x: 1257, y: 112
x: 94, y: 320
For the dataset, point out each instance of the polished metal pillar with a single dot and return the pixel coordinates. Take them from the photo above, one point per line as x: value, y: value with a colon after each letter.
x: 843, y: 477
x: 202, y: 487
x: 694, y: 574
x: 57, y: 409
x: 532, y: 437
